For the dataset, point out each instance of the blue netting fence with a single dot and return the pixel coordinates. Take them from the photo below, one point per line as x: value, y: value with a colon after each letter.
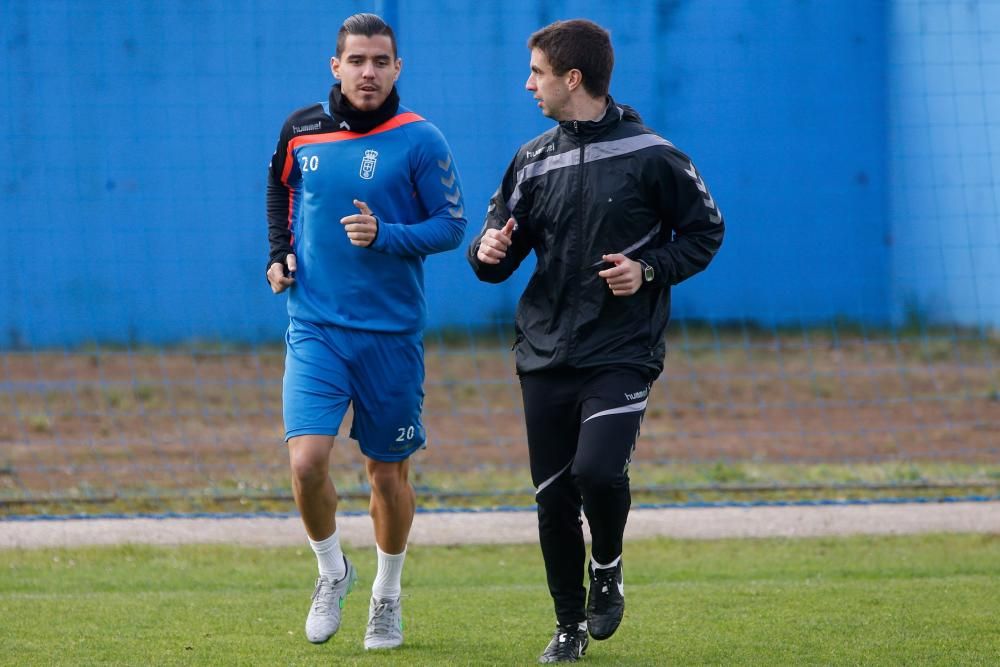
x: 844, y: 343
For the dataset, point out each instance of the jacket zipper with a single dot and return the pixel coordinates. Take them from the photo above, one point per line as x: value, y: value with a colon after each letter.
x: 571, y: 347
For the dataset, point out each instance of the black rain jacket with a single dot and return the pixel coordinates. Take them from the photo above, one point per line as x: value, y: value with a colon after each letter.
x: 587, y: 189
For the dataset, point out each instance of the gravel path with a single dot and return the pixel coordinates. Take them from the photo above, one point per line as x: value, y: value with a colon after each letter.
x: 519, y: 526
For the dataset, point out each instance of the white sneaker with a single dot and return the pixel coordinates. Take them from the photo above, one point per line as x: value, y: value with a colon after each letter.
x: 385, y: 624
x: 327, y: 602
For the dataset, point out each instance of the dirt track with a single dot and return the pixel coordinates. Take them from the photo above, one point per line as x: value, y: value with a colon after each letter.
x: 519, y: 526
x: 162, y: 422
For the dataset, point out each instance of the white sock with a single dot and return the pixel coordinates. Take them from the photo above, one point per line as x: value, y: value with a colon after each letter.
x: 390, y: 571
x: 330, y: 557
x: 598, y: 566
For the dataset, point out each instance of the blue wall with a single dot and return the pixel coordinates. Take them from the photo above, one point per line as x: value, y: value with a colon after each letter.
x: 137, y: 138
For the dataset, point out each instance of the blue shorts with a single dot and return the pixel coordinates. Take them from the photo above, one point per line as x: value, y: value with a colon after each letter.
x: 380, y: 374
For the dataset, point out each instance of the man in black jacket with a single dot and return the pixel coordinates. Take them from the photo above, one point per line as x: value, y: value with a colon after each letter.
x: 616, y: 215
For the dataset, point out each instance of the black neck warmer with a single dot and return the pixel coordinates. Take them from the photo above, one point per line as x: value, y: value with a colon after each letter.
x: 348, y: 117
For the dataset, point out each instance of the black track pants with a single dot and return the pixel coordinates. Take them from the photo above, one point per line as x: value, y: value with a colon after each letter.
x: 582, y: 427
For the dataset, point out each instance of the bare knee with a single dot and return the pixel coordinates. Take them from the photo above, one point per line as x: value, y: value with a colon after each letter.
x: 388, y: 479
x: 309, y: 463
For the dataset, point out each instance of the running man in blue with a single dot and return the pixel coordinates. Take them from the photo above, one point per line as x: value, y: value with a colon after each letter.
x: 359, y: 191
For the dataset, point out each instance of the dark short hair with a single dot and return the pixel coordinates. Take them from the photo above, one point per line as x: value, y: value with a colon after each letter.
x: 578, y: 44
x: 367, y: 25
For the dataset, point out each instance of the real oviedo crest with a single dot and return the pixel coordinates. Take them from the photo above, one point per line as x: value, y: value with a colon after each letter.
x: 368, y: 164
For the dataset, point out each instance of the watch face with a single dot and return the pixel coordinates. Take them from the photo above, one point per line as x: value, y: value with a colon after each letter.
x: 647, y: 273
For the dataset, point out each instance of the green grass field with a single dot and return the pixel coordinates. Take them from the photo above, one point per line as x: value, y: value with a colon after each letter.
x: 923, y: 600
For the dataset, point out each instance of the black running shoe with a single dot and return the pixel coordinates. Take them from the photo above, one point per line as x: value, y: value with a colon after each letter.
x: 606, y: 602
x: 568, y: 644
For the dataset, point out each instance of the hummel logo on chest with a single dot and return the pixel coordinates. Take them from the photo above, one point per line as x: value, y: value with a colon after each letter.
x: 305, y: 128
x: 544, y: 149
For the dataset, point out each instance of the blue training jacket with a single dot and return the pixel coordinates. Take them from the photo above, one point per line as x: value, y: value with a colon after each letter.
x: 403, y: 169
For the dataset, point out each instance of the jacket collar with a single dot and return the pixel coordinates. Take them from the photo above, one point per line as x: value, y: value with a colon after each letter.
x: 589, y: 128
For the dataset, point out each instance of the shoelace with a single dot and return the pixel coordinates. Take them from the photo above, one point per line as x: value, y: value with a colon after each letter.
x: 606, y: 577
x: 605, y: 580
x: 564, y: 644
x: 322, y: 596
x: 381, y: 623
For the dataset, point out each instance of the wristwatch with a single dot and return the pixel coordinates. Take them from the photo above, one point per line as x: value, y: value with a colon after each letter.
x: 647, y: 272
